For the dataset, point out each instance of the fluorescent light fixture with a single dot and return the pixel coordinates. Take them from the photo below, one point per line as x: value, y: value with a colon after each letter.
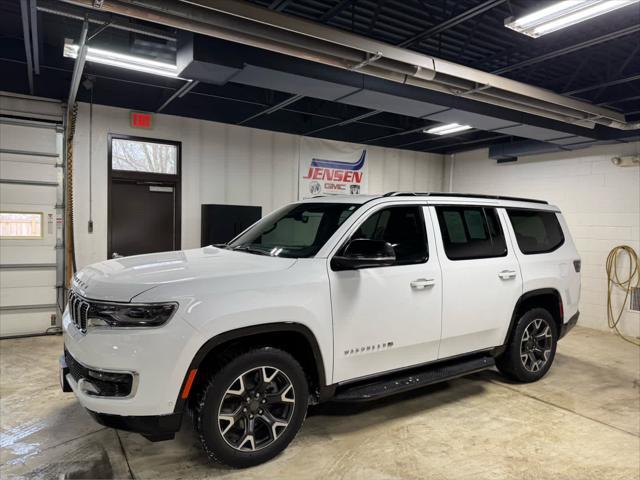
x: 447, y: 129
x: 107, y: 57
x: 563, y: 14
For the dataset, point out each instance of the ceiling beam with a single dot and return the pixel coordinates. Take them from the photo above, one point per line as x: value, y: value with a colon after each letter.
x: 613, y: 101
x: 179, y: 93
x: 471, y: 142
x: 33, y: 14
x: 452, y: 22
x: 374, y: 17
x: 570, y: 49
x: 279, y: 5
x: 274, y: 108
x: 397, y: 134
x: 344, y: 122
x: 619, y: 81
x: 99, y: 30
x: 339, y: 7
x: 26, y: 34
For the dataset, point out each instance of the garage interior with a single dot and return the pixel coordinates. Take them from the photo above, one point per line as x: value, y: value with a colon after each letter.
x: 229, y: 93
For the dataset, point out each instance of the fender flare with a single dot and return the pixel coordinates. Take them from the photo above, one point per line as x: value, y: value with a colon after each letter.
x: 239, y: 333
x: 526, y: 296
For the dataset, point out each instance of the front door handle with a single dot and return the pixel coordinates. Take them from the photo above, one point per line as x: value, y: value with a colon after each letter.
x: 422, y: 283
x: 507, y: 274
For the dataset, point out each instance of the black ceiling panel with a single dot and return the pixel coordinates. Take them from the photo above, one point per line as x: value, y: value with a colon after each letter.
x: 597, y: 60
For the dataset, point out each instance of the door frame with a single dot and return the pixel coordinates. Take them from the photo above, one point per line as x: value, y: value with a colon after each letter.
x: 161, y: 179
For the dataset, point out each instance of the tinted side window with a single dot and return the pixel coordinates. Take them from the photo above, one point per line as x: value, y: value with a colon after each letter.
x: 536, y: 231
x: 471, y: 232
x: 403, y: 228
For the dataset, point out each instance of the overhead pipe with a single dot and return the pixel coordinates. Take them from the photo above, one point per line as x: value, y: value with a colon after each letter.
x: 481, y: 97
x: 258, y: 27
x: 24, y: 11
x: 437, y: 66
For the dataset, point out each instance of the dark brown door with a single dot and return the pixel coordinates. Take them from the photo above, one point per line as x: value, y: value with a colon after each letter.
x: 144, y: 195
x: 142, y: 218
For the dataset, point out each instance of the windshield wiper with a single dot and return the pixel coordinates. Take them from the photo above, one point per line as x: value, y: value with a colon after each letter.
x: 221, y: 245
x: 249, y: 249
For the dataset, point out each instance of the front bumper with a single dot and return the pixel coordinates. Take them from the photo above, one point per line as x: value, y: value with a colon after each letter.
x: 157, y: 357
x: 153, y: 427
x: 568, y: 325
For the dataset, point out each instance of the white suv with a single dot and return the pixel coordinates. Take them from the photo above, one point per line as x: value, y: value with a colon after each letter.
x: 344, y: 298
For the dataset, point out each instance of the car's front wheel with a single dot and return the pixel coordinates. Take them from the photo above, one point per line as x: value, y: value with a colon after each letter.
x: 252, y: 407
x: 531, y: 348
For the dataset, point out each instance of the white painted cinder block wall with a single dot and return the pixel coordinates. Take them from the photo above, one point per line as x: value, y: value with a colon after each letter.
x: 220, y: 164
x: 601, y: 203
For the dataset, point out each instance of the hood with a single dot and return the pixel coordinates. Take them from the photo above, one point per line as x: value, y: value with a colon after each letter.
x: 122, y: 279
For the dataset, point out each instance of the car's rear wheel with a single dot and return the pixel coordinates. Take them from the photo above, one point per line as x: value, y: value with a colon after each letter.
x: 252, y: 407
x: 531, y: 348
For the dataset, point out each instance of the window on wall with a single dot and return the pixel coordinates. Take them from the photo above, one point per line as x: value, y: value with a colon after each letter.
x: 403, y: 228
x: 141, y: 156
x: 18, y: 225
x: 536, y: 231
x: 471, y: 232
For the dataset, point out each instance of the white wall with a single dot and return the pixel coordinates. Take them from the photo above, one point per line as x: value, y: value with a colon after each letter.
x: 239, y: 165
x: 220, y: 164
x: 601, y: 203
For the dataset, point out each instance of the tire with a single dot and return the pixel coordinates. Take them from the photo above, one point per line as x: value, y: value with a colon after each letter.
x: 241, y: 433
x: 531, y: 348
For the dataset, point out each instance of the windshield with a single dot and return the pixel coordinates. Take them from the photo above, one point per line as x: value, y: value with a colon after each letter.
x: 295, y: 231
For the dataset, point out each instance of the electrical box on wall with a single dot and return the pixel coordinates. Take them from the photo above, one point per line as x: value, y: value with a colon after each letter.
x: 628, y: 161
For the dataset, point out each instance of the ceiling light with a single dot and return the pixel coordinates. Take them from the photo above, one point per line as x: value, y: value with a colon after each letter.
x: 107, y: 57
x: 563, y: 14
x: 447, y: 129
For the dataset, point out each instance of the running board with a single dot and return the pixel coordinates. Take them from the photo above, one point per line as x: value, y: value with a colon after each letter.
x: 403, y: 381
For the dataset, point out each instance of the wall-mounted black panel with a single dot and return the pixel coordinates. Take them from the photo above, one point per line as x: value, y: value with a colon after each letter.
x: 221, y: 223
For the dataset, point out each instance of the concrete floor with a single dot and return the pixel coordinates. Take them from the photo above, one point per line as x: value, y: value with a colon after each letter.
x: 582, y: 421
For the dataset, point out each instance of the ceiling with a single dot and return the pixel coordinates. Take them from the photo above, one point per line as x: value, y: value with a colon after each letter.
x: 598, y: 61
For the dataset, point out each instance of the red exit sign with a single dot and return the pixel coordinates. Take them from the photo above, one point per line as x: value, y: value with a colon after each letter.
x: 141, y: 120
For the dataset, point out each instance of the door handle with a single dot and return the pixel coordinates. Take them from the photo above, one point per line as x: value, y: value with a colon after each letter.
x: 422, y: 283
x: 507, y: 274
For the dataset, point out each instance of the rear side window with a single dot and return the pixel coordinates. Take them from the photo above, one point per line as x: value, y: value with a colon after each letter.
x: 536, y: 231
x: 471, y: 232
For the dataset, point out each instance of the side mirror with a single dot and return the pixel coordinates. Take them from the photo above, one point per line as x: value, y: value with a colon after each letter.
x: 364, y: 254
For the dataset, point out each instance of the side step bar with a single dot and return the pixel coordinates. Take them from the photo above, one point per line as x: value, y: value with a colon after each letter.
x: 404, y: 381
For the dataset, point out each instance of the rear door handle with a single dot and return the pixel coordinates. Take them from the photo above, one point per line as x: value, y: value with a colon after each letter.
x: 507, y: 274
x: 422, y: 283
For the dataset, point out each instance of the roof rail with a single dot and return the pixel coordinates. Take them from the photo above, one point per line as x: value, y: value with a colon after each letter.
x: 471, y: 195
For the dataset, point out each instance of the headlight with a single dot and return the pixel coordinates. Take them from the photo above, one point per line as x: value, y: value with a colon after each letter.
x: 123, y: 315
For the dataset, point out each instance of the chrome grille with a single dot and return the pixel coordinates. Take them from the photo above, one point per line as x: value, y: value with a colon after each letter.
x: 78, y: 310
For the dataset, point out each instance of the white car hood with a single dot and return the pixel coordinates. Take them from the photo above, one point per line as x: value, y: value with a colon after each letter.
x: 122, y: 279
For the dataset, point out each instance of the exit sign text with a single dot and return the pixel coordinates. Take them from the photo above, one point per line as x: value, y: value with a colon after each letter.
x: 140, y: 120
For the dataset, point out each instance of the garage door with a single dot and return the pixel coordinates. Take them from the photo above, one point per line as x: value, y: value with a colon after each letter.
x: 30, y: 216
